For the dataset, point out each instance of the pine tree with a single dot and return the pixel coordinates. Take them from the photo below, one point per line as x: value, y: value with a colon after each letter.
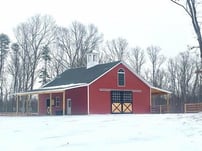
x: 44, y: 76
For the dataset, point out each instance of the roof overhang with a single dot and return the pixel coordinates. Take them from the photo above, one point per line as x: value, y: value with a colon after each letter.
x: 54, y: 89
x: 158, y: 91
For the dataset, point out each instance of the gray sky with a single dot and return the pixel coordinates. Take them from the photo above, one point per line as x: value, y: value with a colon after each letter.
x: 142, y: 23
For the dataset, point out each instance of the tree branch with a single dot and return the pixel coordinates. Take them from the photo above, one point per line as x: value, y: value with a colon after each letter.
x: 174, y: 1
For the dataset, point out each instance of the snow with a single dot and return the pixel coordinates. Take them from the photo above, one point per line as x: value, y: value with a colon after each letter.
x: 72, y: 85
x: 176, y: 132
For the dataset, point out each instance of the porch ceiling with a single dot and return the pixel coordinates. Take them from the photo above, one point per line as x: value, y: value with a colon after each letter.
x: 158, y: 91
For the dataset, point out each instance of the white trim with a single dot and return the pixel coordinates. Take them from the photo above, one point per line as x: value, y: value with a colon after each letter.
x: 88, y: 101
x: 105, y: 73
x: 138, y: 76
x: 51, y: 89
x: 162, y: 90
x: 108, y: 90
x: 63, y: 86
x: 118, y: 73
x: 144, y: 81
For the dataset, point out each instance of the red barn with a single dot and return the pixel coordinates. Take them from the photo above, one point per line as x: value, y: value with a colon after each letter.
x: 96, y: 89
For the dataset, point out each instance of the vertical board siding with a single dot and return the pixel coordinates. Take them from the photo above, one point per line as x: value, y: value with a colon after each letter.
x: 79, y: 100
x: 100, y: 101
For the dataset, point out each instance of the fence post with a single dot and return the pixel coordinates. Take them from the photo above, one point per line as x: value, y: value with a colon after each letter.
x: 185, y: 108
x: 17, y: 104
x: 168, y: 109
x: 160, y: 109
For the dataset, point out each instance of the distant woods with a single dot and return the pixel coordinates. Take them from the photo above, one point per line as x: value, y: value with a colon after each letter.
x: 42, y: 50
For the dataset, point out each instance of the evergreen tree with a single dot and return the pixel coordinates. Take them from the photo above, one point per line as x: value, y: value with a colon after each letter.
x: 46, y: 58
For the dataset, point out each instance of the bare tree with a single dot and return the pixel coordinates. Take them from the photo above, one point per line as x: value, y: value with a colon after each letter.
x: 32, y: 36
x: 76, y: 41
x: 14, y: 67
x: 172, y: 70
x: 181, y: 78
x: 190, y: 7
x: 156, y: 60
x: 58, y: 62
x: 116, y: 49
x: 136, y: 58
x: 4, y: 48
x: 185, y: 74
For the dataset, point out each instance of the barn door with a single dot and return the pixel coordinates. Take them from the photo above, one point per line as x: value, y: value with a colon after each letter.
x: 69, y: 106
x: 48, y: 106
x: 121, y: 102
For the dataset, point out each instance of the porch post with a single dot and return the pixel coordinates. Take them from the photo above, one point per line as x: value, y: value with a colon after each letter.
x: 17, y: 104
x: 63, y: 103
x: 38, y: 103
x: 27, y: 103
x: 150, y: 101
x: 50, y: 103
x: 167, y: 102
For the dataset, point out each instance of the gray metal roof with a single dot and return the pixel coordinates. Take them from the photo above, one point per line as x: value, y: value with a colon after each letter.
x: 81, y: 75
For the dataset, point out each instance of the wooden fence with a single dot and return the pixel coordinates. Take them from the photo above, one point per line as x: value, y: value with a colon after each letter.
x: 17, y: 114
x: 160, y: 109
x: 193, y: 107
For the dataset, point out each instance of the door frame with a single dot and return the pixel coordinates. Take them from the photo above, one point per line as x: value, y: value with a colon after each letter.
x: 121, y: 104
x: 69, y: 106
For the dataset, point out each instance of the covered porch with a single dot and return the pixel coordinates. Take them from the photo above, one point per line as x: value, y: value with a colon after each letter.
x: 48, y: 102
x: 160, y: 100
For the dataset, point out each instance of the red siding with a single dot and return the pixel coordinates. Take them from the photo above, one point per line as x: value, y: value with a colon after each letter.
x: 77, y: 95
x: 79, y: 100
x: 43, y: 106
x: 42, y: 103
x: 100, y: 95
x: 100, y: 101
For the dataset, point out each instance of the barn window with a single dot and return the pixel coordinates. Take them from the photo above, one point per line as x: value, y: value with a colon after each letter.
x: 121, y: 96
x: 57, y: 101
x: 121, y: 77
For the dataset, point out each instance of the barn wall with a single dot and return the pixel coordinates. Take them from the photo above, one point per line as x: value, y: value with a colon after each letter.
x: 100, y: 101
x: 42, y: 103
x: 79, y: 100
x: 55, y: 109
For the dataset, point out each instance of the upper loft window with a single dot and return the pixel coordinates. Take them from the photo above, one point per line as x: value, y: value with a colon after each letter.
x: 121, y: 77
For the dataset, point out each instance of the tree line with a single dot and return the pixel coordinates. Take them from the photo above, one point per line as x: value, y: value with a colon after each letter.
x: 42, y: 50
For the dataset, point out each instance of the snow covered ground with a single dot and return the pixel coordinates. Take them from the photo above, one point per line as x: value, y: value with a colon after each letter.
x: 165, y: 132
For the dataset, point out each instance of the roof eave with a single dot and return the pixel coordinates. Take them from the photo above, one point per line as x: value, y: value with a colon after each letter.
x: 104, y: 73
x: 51, y: 90
x: 159, y: 91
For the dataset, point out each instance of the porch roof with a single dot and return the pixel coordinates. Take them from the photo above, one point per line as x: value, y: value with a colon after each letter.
x: 53, y: 89
x: 158, y: 91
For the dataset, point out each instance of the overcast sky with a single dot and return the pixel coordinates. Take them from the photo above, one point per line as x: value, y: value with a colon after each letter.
x: 142, y: 23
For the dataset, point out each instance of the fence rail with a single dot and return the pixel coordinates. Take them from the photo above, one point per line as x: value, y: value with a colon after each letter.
x: 160, y: 109
x: 193, y: 107
x: 17, y: 114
